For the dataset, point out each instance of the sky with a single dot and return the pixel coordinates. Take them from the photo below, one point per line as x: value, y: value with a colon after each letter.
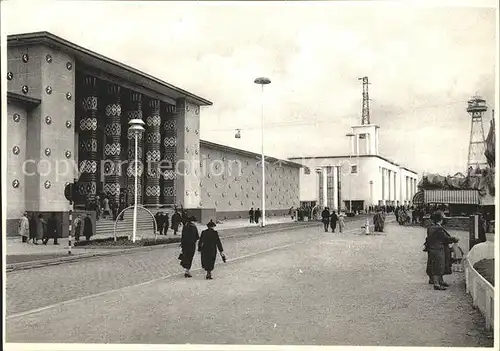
x: 423, y: 63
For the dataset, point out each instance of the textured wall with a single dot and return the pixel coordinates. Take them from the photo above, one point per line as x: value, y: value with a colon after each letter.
x: 232, y: 182
x: 46, y: 74
x: 16, y: 154
x: 188, y: 154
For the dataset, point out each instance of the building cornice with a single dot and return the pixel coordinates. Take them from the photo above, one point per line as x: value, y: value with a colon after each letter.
x: 353, y: 156
x: 211, y: 145
x: 99, y: 61
x: 23, y: 100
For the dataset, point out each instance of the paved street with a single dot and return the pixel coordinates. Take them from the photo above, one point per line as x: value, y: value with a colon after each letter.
x: 347, y: 289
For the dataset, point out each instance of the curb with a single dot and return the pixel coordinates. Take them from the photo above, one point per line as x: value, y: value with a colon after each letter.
x: 114, y: 252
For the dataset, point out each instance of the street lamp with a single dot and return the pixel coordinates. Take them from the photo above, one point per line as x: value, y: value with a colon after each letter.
x: 350, y: 135
x: 263, y: 81
x: 136, y: 127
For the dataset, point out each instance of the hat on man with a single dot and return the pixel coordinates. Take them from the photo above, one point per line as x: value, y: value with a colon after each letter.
x: 211, y: 224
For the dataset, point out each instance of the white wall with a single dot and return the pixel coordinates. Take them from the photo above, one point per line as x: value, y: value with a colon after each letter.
x: 369, y: 169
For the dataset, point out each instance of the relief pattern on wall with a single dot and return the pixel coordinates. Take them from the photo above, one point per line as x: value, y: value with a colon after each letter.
x: 232, y: 182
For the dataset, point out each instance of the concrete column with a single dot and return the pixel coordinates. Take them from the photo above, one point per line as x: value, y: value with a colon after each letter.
x: 325, y: 186
x: 335, y: 188
x: 389, y: 184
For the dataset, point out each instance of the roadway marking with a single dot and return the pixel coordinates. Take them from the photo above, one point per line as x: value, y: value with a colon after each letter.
x: 88, y: 297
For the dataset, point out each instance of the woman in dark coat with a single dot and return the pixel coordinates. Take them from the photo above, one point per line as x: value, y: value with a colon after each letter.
x: 188, y: 244
x: 438, y: 252
x: 325, y: 218
x: 88, y: 228
x: 208, y: 245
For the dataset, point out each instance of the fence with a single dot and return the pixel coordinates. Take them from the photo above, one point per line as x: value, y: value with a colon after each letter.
x: 482, y: 292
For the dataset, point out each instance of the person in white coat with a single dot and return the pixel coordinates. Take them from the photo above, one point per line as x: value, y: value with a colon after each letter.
x: 24, y: 228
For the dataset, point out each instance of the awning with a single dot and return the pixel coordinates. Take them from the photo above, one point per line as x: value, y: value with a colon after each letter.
x: 469, y: 197
x: 418, y: 198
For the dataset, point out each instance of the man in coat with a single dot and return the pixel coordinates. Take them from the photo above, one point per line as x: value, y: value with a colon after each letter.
x: 88, y: 228
x: 52, y: 230
x: 159, y: 222
x: 208, y: 245
x: 188, y: 245
x: 251, y: 215
x: 379, y: 220
x: 24, y: 228
x: 325, y: 218
x: 166, y: 223
x: 257, y: 215
x: 176, y: 221
x: 333, y: 221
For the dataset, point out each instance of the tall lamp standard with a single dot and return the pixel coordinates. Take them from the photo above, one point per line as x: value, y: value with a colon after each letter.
x: 136, y: 127
x: 350, y: 136
x: 263, y: 81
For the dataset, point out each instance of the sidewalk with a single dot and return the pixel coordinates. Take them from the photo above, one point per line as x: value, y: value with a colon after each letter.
x: 21, y: 253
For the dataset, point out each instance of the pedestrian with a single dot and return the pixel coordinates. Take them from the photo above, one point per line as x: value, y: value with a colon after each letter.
x: 176, y: 221
x: 188, y: 245
x: 33, y: 227
x: 325, y: 218
x: 257, y: 215
x: 341, y: 222
x: 333, y: 221
x: 24, y: 228
x: 78, y: 224
x: 437, y: 248
x: 251, y: 215
x: 291, y: 212
x: 106, y: 209
x: 52, y: 230
x: 97, y: 206
x: 166, y: 223
x: 208, y: 245
x: 481, y: 235
x: 159, y: 222
x: 41, y: 228
x: 378, y: 220
x: 88, y: 227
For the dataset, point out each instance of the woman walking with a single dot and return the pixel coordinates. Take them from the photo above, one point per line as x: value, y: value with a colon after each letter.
x: 437, y: 247
x: 188, y: 245
x: 341, y: 223
x: 41, y: 228
x: 208, y: 245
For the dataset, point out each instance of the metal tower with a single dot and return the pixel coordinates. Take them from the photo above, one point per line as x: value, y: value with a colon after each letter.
x: 476, y: 107
x: 365, y: 119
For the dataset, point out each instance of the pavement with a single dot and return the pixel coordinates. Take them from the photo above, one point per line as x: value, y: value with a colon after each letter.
x: 295, y: 287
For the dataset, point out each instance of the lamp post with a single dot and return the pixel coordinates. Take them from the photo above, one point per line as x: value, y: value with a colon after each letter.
x: 136, y: 127
x: 350, y: 136
x: 263, y: 81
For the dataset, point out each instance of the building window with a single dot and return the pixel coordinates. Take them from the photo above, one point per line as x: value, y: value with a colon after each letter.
x: 354, y: 169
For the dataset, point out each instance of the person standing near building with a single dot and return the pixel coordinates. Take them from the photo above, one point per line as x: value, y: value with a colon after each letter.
x: 325, y: 218
x: 188, y: 245
x: 33, y: 227
x: 78, y: 225
x: 333, y: 221
x: 341, y: 222
x: 176, y: 221
x: 257, y: 215
x: 52, y: 230
x: 208, y: 245
x: 378, y: 220
x: 166, y: 223
x: 24, y: 228
x: 88, y: 227
x: 251, y: 215
x: 41, y: 228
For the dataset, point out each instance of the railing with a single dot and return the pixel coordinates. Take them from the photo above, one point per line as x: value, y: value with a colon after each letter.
x: 482, y: 292
x: 155, y: 225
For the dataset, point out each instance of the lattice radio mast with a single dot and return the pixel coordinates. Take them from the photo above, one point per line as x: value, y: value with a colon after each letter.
x: 365, y: 118
x: 476, y: 107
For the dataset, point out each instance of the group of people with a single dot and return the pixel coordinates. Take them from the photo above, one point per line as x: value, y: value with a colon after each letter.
x: 38, y: 229
x: 208, y: 245
x: 331, y: 219
x: 106, y: 206
x: 254, y: 215
x: 440, y: 256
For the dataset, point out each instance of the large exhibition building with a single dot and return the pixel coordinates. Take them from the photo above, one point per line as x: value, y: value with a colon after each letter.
x: 359, y: 180
x: 68, y: 113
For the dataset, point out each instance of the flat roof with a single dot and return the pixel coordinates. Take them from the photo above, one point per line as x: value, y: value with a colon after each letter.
x: 216, y: 146
x: 94, y: 59
x: 353, y: 156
